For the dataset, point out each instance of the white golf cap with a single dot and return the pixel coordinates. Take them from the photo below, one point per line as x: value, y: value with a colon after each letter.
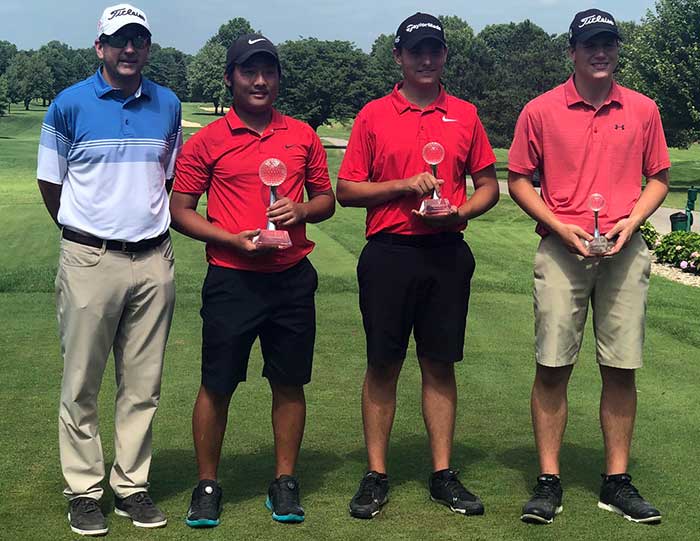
x: 115, y: 17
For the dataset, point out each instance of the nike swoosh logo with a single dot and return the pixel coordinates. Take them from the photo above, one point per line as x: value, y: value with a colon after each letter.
x: 445, y: 119
x: 252, y: 41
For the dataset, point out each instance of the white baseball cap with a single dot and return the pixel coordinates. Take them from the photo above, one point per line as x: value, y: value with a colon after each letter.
x: 115, y: 17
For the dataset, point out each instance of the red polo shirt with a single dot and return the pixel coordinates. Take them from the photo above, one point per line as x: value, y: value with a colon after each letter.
x: 580, y: 151
x: 386, y: 143
x: 223, y: 158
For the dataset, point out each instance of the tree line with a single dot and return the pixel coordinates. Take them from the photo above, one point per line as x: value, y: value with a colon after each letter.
x: 498, y: 69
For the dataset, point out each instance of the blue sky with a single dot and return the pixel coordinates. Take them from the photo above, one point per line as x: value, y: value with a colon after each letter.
x: 188, y: 24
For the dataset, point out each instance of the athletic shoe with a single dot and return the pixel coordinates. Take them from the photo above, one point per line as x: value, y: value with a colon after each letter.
x: 619, y: 495
x: 141, y: 510
x: 205, y: 506
x: 372, y: 495
x: 445, y: 488
x: 545, y: 503
x: 85, y: 517
x: 283, y: 500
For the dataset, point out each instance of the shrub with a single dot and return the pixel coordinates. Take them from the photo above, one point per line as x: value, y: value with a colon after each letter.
x: 649, y: 234
x: 680, y: 249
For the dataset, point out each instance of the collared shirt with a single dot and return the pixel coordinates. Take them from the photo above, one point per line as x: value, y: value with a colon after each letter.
x: 387, y: 141
x: 223, y: 159
x: 112, y: 155
x: 579, y: 151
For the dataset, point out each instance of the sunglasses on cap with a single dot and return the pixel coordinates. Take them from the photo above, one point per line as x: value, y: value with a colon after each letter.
x: 119, y: 41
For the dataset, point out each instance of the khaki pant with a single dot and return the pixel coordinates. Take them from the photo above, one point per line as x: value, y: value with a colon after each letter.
x: 108, y: 300
x: 615, y: 287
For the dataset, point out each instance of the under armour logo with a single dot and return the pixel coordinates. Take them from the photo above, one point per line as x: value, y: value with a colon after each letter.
x: 619, y: 126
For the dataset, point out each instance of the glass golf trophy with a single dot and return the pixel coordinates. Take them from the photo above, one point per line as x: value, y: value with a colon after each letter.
x: 272, y: 173
x: 433, y: 154
x: 600, y: 244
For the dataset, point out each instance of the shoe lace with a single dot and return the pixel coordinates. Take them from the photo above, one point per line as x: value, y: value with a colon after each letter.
x: 143, y: 498
x: 455, y: 486
x: 544, y: 491
x: 88, y: 505
x: 368, y: 488
x: 629, y: 492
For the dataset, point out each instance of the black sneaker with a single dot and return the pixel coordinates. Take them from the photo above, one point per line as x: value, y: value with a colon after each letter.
x: 205, y: 506
x: 545, y: 503
x: 372, y: 495
x: 619, y: 495
x: 141, y: 510
x: 445, y: 488
x: 283, y: 500
x: 85, y: 517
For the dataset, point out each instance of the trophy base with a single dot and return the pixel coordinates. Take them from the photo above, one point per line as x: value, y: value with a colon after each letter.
x: 599, y: 246
x: 435, y: 207
x: 273, y: 238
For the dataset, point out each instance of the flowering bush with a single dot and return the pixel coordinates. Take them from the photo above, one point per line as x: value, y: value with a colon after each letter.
x: 680, y: 249
x: 649, y: 234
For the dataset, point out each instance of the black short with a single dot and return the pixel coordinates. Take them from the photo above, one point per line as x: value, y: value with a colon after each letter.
x: 238, y: 306
x: 418, y: 282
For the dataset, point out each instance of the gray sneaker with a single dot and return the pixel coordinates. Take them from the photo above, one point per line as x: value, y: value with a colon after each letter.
x: 141, y: 510
x: 85, y: 517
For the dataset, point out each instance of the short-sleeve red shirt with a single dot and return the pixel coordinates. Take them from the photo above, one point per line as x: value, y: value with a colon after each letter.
x: 386, y: 143
x: 579, y: 151
x: 222, y: 159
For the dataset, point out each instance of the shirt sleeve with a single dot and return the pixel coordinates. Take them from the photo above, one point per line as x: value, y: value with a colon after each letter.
x: 192, y: 167
x: 481, y: 154
x: 655, y: 157
x: 54, y: 144
x: 317, y: 178
x: 357, y: 161
x: 174, y: 144
x: 526, y: 149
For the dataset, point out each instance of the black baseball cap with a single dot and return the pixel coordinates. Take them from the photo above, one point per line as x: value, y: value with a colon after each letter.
x: 248, y: 45
x: 417, y: 28
x: 592, y: 22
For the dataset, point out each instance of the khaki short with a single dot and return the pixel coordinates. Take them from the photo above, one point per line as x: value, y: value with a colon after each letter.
x: 617, y: 290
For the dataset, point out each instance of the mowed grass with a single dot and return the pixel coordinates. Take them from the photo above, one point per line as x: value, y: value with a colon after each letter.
x: 493, y: 444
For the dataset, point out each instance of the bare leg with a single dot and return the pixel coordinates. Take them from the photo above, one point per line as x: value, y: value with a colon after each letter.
x: 208, y: 428
x: 288, y: 419
x: 618, y: 408
x: 439, y: 407
x: 549, y: 408
x: 378, y: 409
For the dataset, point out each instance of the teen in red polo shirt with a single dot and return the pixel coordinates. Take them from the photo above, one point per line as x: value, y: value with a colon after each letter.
x: 587, y: 136
x: 251, y: 291
x: 414, y: 273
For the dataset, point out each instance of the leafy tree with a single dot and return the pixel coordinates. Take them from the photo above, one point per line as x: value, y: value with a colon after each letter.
x: 65, y: 65
x: 231, y: 31
x: 7, y: 51
x: 206, y: 75
x: 322, y: 80
x: 28, y: 77
x: 526, y: 62
x: 168, y: 67
x: 664, y: 64
x: 86, y: 61
x: 4, y: 95
x: 383, y: 71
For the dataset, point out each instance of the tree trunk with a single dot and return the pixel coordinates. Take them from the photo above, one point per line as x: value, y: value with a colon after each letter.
x: 26, y: 104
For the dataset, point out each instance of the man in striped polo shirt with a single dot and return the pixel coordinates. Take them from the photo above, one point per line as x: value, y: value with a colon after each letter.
x: 106, y: 159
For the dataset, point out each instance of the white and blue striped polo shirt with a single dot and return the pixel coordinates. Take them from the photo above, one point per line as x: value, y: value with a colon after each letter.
x: 112, y: 155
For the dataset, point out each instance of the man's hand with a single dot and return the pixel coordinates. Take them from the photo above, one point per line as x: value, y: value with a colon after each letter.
x: 286, y: 212
x: 243, y: 244
x: 572, y: 235
x: 441, y: 221
x: 423, y: 184
x: 624, y: 229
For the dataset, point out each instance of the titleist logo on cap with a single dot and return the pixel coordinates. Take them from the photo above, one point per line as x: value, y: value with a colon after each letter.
x: 412, y: 27
x: 125, y: 11
x: 592, y: 19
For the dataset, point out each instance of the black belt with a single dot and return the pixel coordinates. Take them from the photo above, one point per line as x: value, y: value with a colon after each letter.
x: 116, y: 245
x: 421, y: 241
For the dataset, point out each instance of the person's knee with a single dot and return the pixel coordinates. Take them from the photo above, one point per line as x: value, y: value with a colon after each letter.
x: 436, y: 372
x: 618, y: 377
x: 288, y: 393
x: 383, y: 374
x: 212, y: 399
x: 552, y: 378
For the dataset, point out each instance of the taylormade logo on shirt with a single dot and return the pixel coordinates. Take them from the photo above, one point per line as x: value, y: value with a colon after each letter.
x: 592, y: 19
x: 412, y: 27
